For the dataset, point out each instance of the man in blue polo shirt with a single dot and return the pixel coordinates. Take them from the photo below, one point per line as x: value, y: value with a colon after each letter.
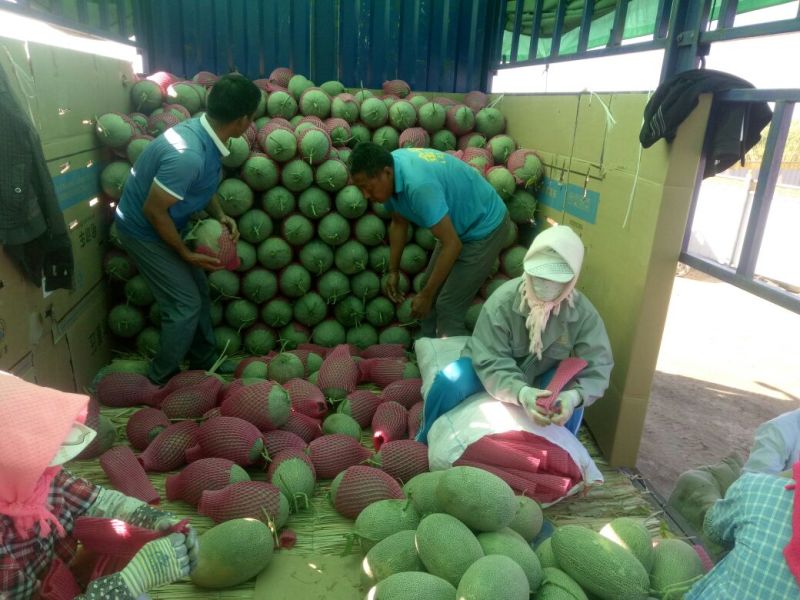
x: 469, y: 220
x: 176, y: 176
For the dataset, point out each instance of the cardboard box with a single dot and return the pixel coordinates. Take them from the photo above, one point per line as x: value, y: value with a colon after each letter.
x: 24, y: 368
x: 52, y: 364
x: 20, y: 323
x: 88, y: 337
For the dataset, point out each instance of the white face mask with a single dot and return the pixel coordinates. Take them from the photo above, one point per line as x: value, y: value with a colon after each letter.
x: 546, y: 290
x: 78, y: 438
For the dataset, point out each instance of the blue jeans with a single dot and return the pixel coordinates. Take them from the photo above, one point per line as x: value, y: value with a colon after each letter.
x: 456, y: 382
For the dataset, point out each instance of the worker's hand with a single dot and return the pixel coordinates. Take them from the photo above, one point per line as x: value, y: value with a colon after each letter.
x: 564, y: 406
x: 205, y: 262
x: 158, y: 563
x: 192, y: 545
x: 393, y: 287
x: 421, y: 305
x: 232, y: 227
x: 527, y: 399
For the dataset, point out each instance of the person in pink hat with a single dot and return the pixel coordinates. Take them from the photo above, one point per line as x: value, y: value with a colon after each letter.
x: 40, y: 430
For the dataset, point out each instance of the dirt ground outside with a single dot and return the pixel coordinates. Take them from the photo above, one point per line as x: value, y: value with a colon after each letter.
x: 728, y: 362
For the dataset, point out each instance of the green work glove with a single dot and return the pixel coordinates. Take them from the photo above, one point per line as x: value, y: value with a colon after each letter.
x: 564, y: 406
x: 158, y: 563
x: 192, y: 546
x: 527, y: 399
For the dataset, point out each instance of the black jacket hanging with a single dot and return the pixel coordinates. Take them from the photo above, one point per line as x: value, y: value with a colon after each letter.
x: 32, y: 229
x: 734, y: 127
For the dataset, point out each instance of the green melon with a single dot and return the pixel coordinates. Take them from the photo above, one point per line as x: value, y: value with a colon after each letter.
x: 240, y: 314
x: 297, y: 175
x: 446, y: 546
x: 297, y: 230
x: 512, y: 260
x: 395, y: 335
x: 522, y: 206
x: 374, y: 113
x: 138, y: 292
x: 295, y: 479
x: 277, y: 313
x: 370, y: 230
x: 261, y: 109
x: 231, y: 553
x: 228, y: 340
x: 402, y: 115
x: 472, y: 140
x: 148, y: 342
x: 281, y: 104
x: 403, y: 284
x: 490, y: 122
x: 365, y: 285
x: 294, y: 281
x: 394, y: 554
x: 331, y: 175
x: 278, y: 202
x: 136, y: 147
x: 502, y: 181
x: 314, y: 145
x: 125, y: 321
x: 310, y: 309
x: 345, y: 152
x: 350, y: 311
x: 380, y: 311
x: 343, y: 424
x: 260, y: 172
x: 362, y: 336
x: 424, y: 238
x: 329, y: 333
x: 412, y: 585
x: 217, y: 312
x: 299, y: 84
x: 432, y: 117
x: 379, y: 259
x: 495, y: 576
x: 419, y: 281
x: 421, y: 490
x: 315, y: 102
x: 345, y: 106
x: 528, y: 519
x: 634, y: 536
x: 284, y: 367
x: 350, y: 202
x: 259, y: 340
x: 478, y: 498
x: 146, y: 96
x: 280, y: 145
x: 316, y: 257
x: 460, y: 119
x: 235, y: 197
x: 471, y: 317
x: 387, y: 137
x: 333, y: 286
x: 255, y: 226
x: 444, y: 140
x: 545, y: 553
x: 383, y: 518
x: 255, y: 370
x: 351, y: 257
x: 676, y: 568
x: 239, y: 149
x: 379, y: 209
x: 414, y: 259
x: 274, y: 253
x: 113, y: 178
x: 247, y: 256
x: 359, y: 133
x: 114, y: 130
x: 418, y: 100
x: 187, y: 95
x: 501, y: 147
x: 293, y: 334
x: 332, y: 88
x: 508, y: 542
x: 296, y: 120
x: 557, y: 585
x: 334, y: 229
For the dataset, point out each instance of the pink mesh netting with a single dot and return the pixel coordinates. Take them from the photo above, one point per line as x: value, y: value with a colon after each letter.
x: 281, y: 76
x: 472, y: 152
x: 167, y: 451
x: 179, y: 381
x: 396, y: 87
x: 225, y: 251
x: 258, y: 405
x: 382, y: 371
x: 122, y: 390
x: 361, y: 486
x: 278, y: 440
x: 332, y: 454
x: 338, y: 374
x: 389, y: 423
x: 384, y: 351
x: 144, y: 425
x: 284, y: 455
x: 246, y: 361
x: 228, y: 437
x: 403, y: 459
x: 193, y: 401
x: 127, y: 475
x: 532, y: 465
x: 361, y: 405
x: 406, y: 392
x: 414, y: 137
x: 516, y: 160
x: 99, y: 444
x: 303, y: 426
x: 415, y: 419
x: 314, y: 120
x: 334, y: 122
x: 241, y: 500
x: 199, y: 476
x: 214, y: 412
x: 59, y: 583
x: 315, y: 348
x: 476, y: 100
x: 306, y: 398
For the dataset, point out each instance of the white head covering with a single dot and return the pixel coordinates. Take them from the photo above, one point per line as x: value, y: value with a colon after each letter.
x: 555, y: 254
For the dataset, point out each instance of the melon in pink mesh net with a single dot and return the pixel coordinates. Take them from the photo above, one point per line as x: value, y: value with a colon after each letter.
x: 127, y: 475
x: 476, y: 100
x: 205, y: 78
x: 250, y: 134
x: 306, y: 398
x: 359, y: 486
x: 281, y: 76
x: 332, y: 454
x: 167, y: 451
x: 293, y: 473
x: 201, y: 475
x: 314, y: 120
x: 228, y: 437
x: 406, y: 392
x: 403, y: 459
x: 460, y: 119
x: 414, y: 137
x: 384, y: 351
x: 161, y: 122
x: 485, y: 153
x: 214, y: 412
x: 163, y: 79
x: 122, y: 390
x: 382, y: 371
x: 193, y: 401
x: 415, y: 419
x: 338, y: 375
x: 303, y: 426
x: 389, y: 423
x: 396, y: 87
x: 444, y: 101
x: 315, y: 348
x: 246, y: 361
x: 277, y: 440
x: 526, y: 166
x: 361, y: 405
x: 144, y: 425
x: 264, y: 404
x: 246, y: 500
x: 212, y: 238
x: 106, y: 433
x: 180, y: 380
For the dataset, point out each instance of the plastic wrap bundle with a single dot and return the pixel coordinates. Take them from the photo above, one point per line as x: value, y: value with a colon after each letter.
x: 227, y: 437
x: 303, y: 426
x: 193, y: 401
x: 144, y: 425
x: 384, y: 351
x: 415, y: 419
x: 178, y: 381
x: 264, y: 404
x: 278, y: 440
x: 406, y: 392
x: 403, y: 459
x: 338, y: 375
x: 389, y: 423
x: 123, y: 390
x: 306, y: 398
x: 127, y: 475
x: 360, y: 486
x: 245, y: 500
x: 382, y: 371
x: 361, y: 405
x: 201, y: 475
x: 332, y: 454
x: 167, y: 451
